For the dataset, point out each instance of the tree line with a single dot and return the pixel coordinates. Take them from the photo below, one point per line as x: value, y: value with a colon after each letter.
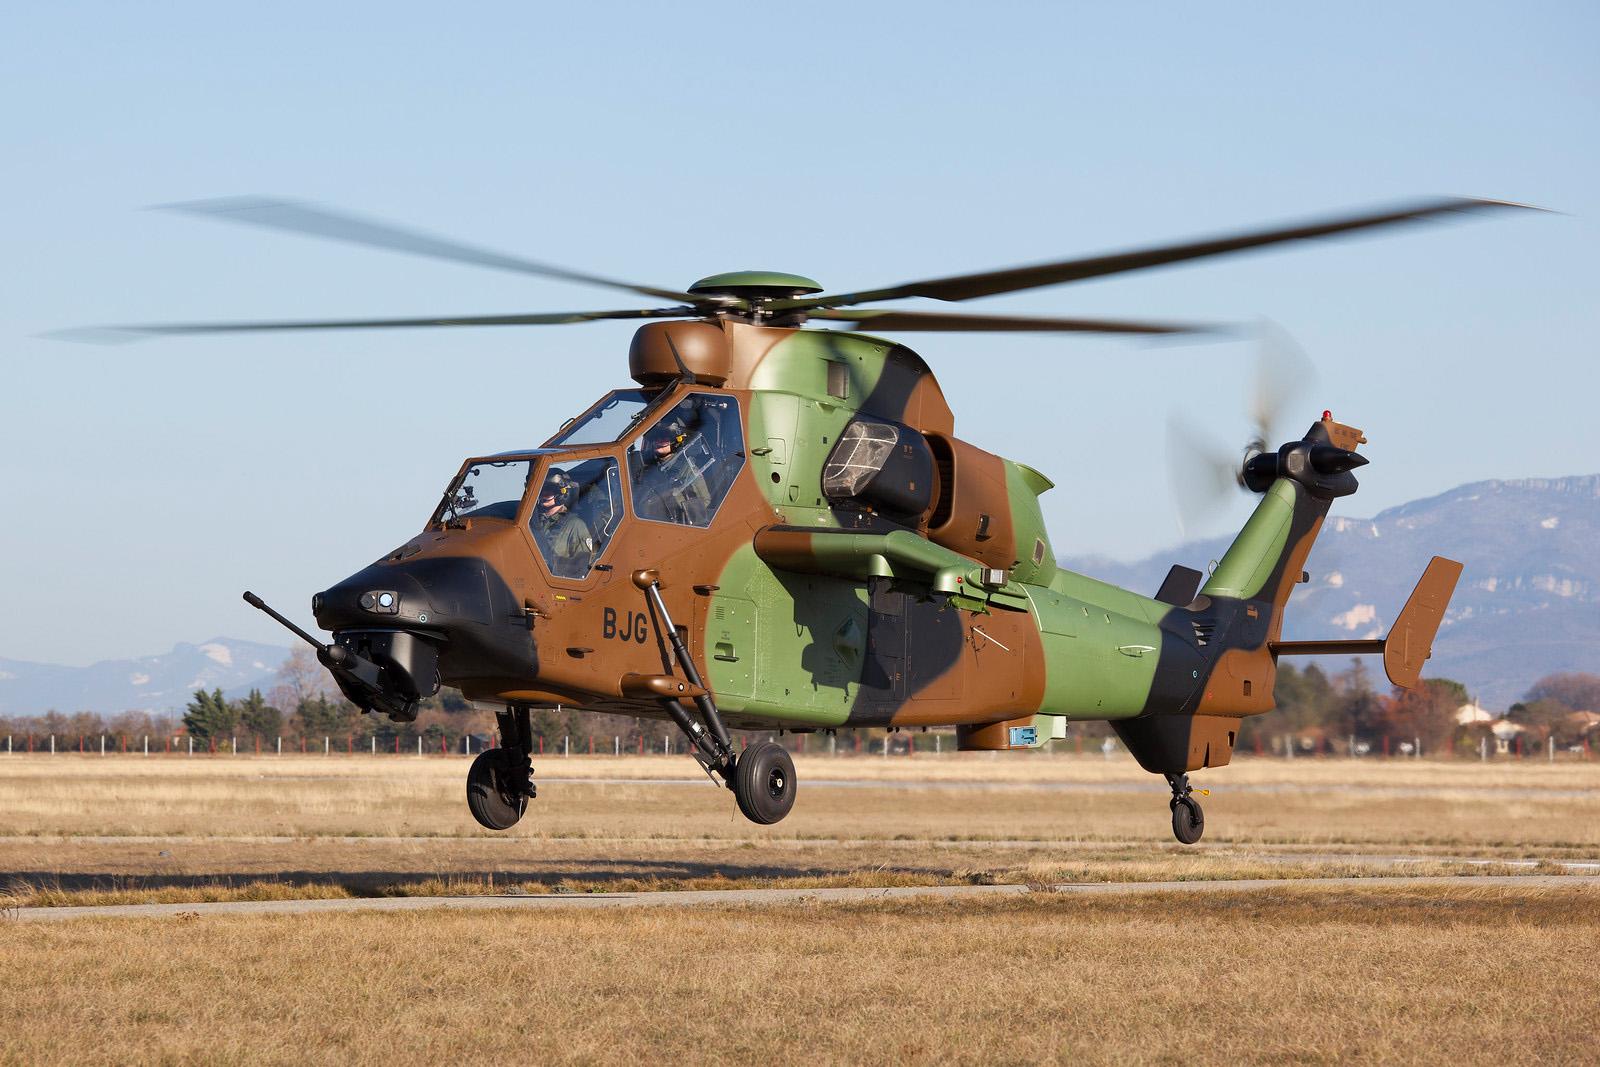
x: 1318, y: 712
x: 1321, y: 712
x: 304, y: 707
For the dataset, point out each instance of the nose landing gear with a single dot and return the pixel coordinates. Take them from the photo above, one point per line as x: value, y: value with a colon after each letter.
x: 500, y: 781
x: 1188, y: 820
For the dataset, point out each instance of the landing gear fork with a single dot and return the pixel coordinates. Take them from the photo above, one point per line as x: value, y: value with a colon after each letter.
x: 516, y: 737
x: 1188, y: 820
x: 500, y: 780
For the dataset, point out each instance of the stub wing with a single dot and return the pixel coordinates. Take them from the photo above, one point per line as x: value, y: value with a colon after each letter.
x: 1410, y: 639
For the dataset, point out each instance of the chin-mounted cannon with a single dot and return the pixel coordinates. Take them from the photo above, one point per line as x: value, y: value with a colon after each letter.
x: 390, y: 671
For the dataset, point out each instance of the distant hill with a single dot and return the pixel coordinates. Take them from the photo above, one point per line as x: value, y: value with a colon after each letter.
x: 1529, y: 599
x: 150, y: 683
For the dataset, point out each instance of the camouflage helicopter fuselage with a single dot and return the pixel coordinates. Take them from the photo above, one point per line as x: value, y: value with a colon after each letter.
x: 930, y: 598
x: 781, y: 528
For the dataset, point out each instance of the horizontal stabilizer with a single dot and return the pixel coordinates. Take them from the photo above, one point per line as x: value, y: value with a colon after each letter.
x: 1410, y: 640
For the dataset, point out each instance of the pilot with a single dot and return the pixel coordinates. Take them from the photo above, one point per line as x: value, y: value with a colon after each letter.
x: 563, y: 537
x: 671, y: 478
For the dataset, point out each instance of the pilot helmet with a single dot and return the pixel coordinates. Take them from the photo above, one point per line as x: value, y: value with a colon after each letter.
x: 670, y: 433
x: 558, y: 486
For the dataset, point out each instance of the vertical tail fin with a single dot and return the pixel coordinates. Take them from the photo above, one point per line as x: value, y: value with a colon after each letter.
x: 1410, y: 640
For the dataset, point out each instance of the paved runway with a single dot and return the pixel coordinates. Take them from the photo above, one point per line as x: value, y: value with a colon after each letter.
x: 1254, y: 851
x: 723, y: 897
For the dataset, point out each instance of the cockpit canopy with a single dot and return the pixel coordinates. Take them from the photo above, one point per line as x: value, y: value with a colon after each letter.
x: 617, y: 413
x: 486, y: 489
x: 679, y: 451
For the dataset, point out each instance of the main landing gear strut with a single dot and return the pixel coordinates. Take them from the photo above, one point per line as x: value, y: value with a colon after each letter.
x: 762, y: 776
x: 1188, y: 821
x: 500, y: 781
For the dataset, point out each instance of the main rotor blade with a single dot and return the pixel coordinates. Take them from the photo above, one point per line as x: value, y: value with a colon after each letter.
x: 890, y: 319
x: 1010, y: 280
x: 123, y: 334
x: 313, y: 221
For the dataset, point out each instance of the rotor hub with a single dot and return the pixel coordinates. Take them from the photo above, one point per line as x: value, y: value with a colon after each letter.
x: 755, y: 285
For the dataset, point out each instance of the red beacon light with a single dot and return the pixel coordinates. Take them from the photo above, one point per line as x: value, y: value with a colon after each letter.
x: 1327, y: 416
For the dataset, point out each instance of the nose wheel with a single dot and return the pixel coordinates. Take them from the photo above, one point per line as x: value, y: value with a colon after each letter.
x: 500, y: 780
x: 1188, y: 820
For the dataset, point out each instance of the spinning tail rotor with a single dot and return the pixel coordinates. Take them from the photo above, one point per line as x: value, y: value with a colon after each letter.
x: 1206, y: 474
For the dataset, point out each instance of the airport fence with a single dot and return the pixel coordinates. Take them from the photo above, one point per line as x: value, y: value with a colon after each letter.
x: 901, y: 742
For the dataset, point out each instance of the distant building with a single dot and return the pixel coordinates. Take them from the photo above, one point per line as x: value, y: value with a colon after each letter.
x: 1505, y: 732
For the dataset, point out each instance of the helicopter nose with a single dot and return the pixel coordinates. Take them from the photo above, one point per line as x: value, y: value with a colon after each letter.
x: 426, y: 595
x: 403, y: 612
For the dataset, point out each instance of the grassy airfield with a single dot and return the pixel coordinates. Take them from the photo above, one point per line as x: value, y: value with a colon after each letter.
x: 91, y: 829
x: 1443, y: 976
x: 1302, y: 973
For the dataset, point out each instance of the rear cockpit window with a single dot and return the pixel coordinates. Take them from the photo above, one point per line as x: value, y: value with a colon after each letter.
x: 686, y: 462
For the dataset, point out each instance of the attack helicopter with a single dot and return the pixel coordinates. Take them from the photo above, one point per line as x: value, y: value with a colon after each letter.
x: 776, y: 527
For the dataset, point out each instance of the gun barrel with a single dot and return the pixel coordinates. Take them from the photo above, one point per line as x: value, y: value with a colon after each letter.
x: 256, y: 602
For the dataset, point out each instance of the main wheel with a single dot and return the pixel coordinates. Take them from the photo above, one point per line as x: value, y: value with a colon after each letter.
x: 1188, y: 821
x: 494, y: 789
x: 764, y: 782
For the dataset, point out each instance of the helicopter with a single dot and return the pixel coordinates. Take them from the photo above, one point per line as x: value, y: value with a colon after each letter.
x: 775, y: 527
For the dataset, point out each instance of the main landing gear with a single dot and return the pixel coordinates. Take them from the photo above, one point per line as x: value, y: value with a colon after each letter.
x: 763, y: 782
x: 1188, y: 821
x: 500, y: 781
x: 762, y: 776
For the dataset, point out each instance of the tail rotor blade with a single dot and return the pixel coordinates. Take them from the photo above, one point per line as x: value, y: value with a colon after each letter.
x: 1283, y: 373
x: 1204, y: 475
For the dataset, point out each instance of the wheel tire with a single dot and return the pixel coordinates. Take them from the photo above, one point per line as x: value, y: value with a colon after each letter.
x: 492, y: 797
x: 1188, y: 821
x: 764, y: 783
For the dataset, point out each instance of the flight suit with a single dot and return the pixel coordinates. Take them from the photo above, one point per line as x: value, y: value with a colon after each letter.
x: 681, y: 489
x: 568, y: 546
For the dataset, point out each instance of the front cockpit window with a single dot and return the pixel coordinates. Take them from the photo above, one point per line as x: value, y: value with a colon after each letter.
x: 609, y: 420
x: 487, y: 489
x: 575, y: 513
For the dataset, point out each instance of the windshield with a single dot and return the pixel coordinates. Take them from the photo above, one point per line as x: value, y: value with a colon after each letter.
x: 613, y: 417
x: 487, y: 489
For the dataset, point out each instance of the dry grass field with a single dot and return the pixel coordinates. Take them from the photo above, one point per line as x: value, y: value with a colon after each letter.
x: 1442, y: 976
x: 87, y: 829
x: 1299, y: 973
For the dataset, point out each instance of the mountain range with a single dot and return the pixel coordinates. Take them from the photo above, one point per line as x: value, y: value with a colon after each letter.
x: 1528, y: 603
x: 161, y: 683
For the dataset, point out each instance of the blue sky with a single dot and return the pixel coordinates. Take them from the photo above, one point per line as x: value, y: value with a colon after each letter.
x: 858, y: 144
